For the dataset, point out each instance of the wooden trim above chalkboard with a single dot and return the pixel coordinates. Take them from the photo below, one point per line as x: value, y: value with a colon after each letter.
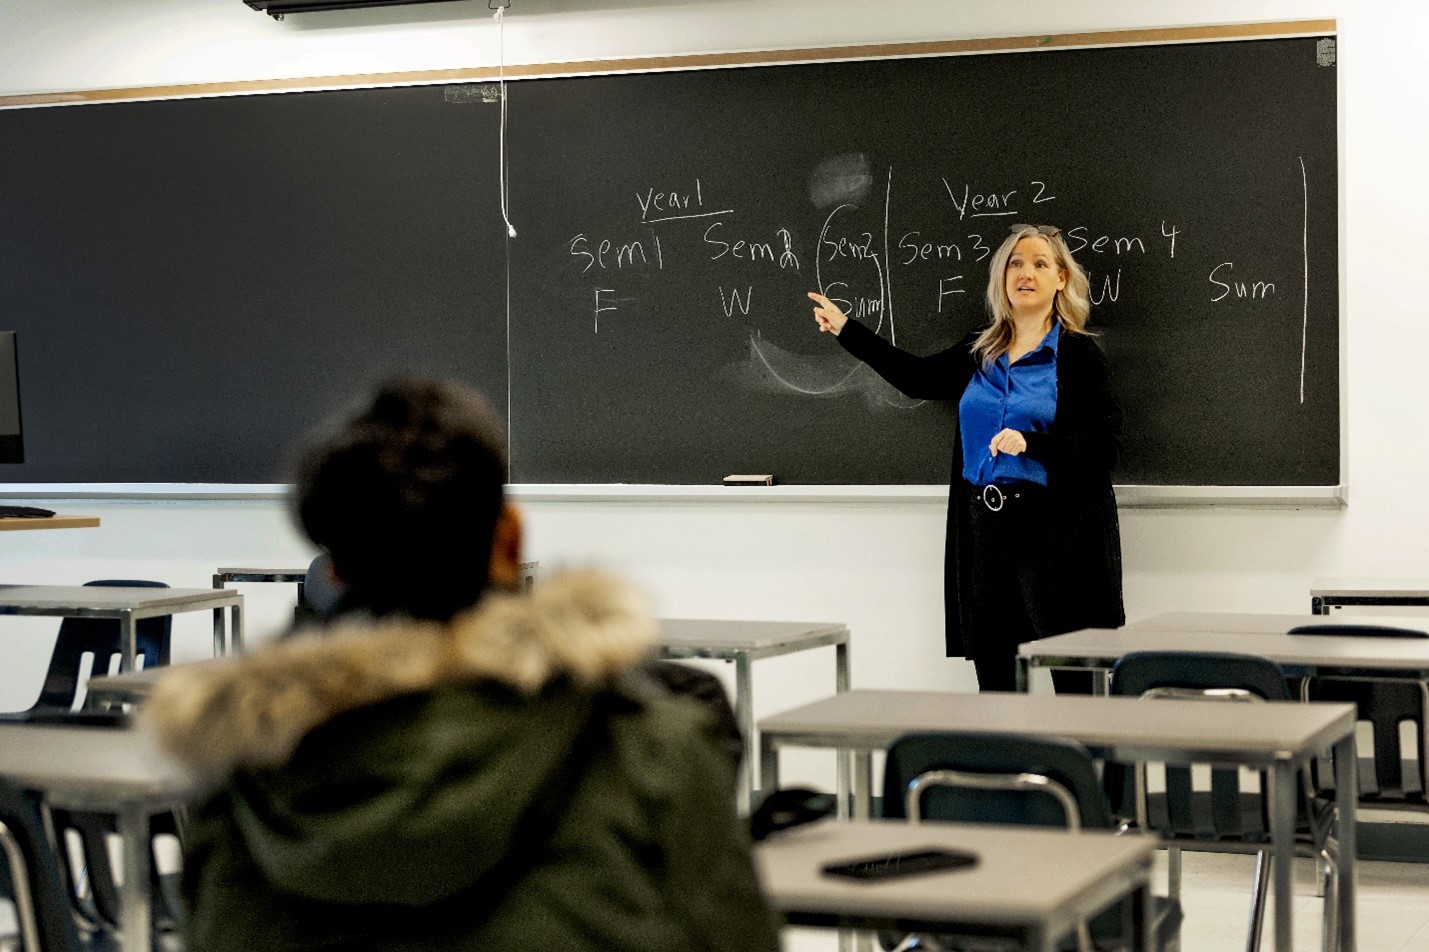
x: 1197, y: 34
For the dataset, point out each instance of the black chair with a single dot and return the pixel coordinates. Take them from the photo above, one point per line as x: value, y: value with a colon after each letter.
x: 99, y: 638
x: 30, y: 876
x: 1228, y: 817
x: 968, y: 777
x: 319, y: 593
x: 1386, y: 706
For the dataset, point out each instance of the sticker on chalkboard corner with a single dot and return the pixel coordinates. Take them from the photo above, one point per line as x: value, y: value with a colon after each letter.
x: 472, y: 92
x: 1325, y: 51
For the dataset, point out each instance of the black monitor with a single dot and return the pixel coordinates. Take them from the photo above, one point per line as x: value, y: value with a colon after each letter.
x: 12, y: 448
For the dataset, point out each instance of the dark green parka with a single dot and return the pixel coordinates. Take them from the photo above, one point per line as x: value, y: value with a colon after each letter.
x: 507, y: 781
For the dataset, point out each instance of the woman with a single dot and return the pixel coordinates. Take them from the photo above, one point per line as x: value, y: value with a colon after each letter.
x: 1033, y: 546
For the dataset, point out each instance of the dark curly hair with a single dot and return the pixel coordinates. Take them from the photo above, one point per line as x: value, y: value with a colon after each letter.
x: 405, y: 497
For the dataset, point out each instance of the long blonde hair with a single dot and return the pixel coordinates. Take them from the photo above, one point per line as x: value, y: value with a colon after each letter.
x: 1071, y: 307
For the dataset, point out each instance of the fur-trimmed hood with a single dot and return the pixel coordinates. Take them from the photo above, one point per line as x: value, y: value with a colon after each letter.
x: 584, y: 628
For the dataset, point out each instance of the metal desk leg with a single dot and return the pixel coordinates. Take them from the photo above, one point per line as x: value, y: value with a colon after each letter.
x: 1347, y: 796
x: 236, y: 613
x: 1282, y: 836
x: 134, y: 903
x: 862, y: 809
x: 744, y: 715
x: 220, y: 634
x: 768, y: 764
x: 844, y: 763
x: 128, y: 643
x: 862, y: 785
x: 1143, y: 912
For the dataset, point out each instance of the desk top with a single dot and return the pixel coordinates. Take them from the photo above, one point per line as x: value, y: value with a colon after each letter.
x: 1100, y: 647
x: 1114, y: 727
x: 679, y: 638
x: 1269, y: 624
x: 290, y: 573
x: 1367, y: 587
x: 1024, y: 877
x: 700, y: 637
x: 100, y: 599
x: 13, y: 524
x: 114, y: 765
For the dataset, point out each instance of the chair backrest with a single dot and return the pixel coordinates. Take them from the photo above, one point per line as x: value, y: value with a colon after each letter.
x: 1228, y: 813
x: 30, y: 875
x: 321, y: 589
x: 1385, y: 706
x: 1141, y: 672
x: 969, y: 777
x: 100, y: 638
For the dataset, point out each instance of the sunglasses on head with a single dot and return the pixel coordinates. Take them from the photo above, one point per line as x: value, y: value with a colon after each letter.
x: 1045, y: 230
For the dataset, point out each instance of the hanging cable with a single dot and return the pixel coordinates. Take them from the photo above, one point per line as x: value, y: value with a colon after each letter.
x: 501, y: 33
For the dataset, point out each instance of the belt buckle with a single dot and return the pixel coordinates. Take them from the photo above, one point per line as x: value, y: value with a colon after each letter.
x: 991, y: 493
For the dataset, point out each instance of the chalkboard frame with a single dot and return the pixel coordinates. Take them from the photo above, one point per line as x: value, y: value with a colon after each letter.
x: 1135, y: 496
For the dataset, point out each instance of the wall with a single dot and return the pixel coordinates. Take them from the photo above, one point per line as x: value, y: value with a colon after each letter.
x: 877, y: 566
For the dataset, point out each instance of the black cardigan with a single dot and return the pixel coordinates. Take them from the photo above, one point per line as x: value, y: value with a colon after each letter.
x: 1079, y: 451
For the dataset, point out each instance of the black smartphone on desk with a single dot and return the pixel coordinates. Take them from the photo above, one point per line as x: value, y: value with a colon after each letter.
x: 896, y: 865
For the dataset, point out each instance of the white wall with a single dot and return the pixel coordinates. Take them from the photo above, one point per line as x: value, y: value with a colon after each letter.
x: 877, y: 566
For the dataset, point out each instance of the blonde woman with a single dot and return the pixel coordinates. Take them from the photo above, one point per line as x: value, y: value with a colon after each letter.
x: 1033, y: 545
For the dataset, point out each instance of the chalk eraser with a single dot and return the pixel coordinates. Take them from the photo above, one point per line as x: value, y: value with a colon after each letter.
x: 756, y: 480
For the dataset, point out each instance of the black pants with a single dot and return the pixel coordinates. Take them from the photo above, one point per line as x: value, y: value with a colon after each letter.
x: 1009, y: 598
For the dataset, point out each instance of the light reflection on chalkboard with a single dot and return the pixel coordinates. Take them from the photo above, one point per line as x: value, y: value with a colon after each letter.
x: 841, y: 180
x: 772, y: 368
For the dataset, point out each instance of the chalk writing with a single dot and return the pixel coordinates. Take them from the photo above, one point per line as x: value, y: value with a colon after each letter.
x: 1255, y: 290
x: 946, y: 289
x: 1111, y: 288
x: 917, y: 250
x: 600, y: 307
x: 1102, y: 244
x: 606, y: 254
x: 750, y: 250
x: 980, y: 204
x: 674, y: 206
x: 734, y: 301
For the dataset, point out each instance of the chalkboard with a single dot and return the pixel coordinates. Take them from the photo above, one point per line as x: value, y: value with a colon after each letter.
x: 195, y: 281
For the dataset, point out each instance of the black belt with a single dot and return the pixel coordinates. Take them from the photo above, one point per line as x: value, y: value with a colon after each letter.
x: 999, y: 496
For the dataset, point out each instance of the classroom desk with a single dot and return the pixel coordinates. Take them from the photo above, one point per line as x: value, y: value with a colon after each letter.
x: 1030, y: 885
x: 1278, y: 738
x: 103, y: 769
x: 1328, y: 593
x: 225, y: 574
x: 744, y: 642
x: 299, y: 576
x: 129, y: 606
x: 14, y: 524
x: 739, y: 641
x: 1360, y: 658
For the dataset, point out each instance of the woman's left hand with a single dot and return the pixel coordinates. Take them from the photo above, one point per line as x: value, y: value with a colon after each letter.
x: 1010, y: 442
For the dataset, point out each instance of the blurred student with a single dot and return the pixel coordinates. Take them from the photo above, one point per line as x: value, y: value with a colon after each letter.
x: 454, y: 764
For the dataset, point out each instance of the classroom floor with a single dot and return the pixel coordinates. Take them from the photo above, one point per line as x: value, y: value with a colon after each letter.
x: 1393, y: 907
